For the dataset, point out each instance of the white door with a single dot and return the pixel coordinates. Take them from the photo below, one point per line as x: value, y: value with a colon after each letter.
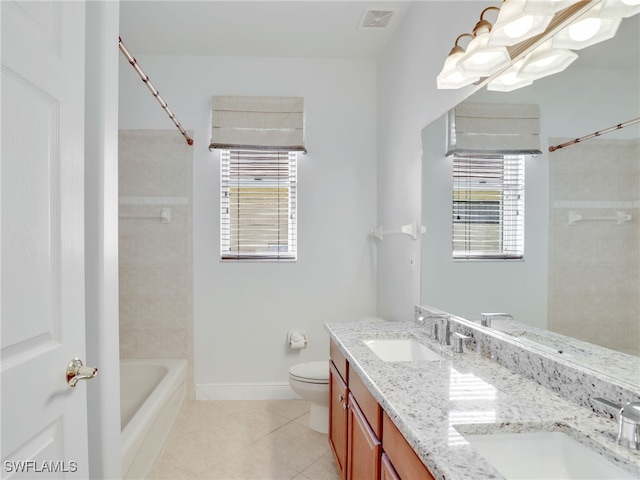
x: 44, y: 421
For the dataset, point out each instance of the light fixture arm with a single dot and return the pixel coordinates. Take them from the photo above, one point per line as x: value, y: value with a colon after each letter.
x: 486, y: 10
x: 458, y: 48
x: 461, y: 36
x: 483, y: 21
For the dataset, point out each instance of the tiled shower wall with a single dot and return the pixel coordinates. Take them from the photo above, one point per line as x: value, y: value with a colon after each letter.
x: 594, y: 264
x: 156, y: 260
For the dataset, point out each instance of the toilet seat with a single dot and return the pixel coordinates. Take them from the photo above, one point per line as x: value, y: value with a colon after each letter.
x: 311, y: 372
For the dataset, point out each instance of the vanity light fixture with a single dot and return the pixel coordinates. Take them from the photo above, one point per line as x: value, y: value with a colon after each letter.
x: 546, y: 60
x: 588, y: 30
x: 482, y: 59
x: 515, y: 25
x: 541, y: 62
x: 546, y: 7
x: 620, y: 8
x: 510, y: 79
x: 450, y: 76
x: 574, y: 24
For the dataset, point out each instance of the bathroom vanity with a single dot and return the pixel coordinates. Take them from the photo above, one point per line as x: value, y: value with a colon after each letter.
x: 394, y: 408
x: 364, y: 441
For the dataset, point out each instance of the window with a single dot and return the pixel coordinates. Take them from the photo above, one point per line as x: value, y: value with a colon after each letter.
x: 488, y: 206
x: 258, y: 205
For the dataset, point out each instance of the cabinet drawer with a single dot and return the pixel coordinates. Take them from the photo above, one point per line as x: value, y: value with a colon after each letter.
x: 339, y: 360
x: 407, y: 464
x: 366, y: 401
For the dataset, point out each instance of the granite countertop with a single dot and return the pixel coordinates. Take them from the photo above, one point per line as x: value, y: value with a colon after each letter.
x: 433, y: 403
x: 622, y: 368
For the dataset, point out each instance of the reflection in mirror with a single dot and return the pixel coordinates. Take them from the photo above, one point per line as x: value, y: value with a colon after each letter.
x: 580, y: 274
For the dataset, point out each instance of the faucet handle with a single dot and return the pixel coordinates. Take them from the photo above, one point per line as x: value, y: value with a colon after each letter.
x: 458, y: 341
x: 485, y: 318
x: 630, y: 413
x: 614, y: 407
x: 628, y: 416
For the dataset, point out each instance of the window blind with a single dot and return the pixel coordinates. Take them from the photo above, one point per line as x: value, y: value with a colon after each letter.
x: 493, y: 128
x: 488, y: 207
x: 267, y: 123
x: 258, y: 205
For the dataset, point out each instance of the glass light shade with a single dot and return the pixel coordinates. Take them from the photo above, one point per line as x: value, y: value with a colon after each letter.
x: 546, y: 60
x: 482, y: 59
x: 546, y: 7
x: 619, y: 8
x: 515, y: 25
x: 509, y: 80
x: 450, y: 77
x: 586, y: 31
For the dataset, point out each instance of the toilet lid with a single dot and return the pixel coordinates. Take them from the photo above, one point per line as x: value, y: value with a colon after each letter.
x: 311, y: 372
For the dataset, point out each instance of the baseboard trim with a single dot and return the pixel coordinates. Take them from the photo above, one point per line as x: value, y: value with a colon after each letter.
x: 244, y: 391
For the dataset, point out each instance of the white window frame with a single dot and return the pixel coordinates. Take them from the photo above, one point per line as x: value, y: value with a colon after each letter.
x: 243, y: 239
x: 496, y: 184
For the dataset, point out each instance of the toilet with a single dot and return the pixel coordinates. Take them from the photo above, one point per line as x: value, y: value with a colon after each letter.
x: 310, y: 380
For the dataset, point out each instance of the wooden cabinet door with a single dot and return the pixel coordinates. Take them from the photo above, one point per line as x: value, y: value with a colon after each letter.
x: 338, y: 419
x: 363, y: 460
x: 387, y: 472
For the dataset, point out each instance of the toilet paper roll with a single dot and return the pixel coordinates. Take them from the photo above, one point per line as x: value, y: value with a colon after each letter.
x: 297, y: 341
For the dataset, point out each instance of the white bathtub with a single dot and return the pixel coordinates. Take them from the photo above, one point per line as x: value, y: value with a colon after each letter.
x: 152, y: 394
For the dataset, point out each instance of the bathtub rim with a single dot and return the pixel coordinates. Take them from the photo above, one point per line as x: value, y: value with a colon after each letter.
x: 136, y: 431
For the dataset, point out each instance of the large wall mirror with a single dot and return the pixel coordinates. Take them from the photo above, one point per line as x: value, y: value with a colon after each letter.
x: 580, y: 275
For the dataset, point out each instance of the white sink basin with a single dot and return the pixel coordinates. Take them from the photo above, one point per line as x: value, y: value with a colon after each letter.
x: 544, y: 455
x: 401, y: 350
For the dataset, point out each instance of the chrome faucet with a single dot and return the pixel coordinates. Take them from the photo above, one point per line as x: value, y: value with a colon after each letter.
x: 438, y: 327
x: 444, y: 333
x: 485, y: 318
x: 628, y: 416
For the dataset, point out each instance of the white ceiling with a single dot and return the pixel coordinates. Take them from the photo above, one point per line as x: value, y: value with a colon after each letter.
x: 320, y: 29
x: 299, y: 28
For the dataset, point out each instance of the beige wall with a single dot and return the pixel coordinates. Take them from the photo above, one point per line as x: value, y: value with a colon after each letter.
x: 156, y: 260
x: 594, y: 265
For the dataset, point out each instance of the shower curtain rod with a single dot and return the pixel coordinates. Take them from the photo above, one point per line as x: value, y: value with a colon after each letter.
x: 595, y: 134
x: 153, y: 91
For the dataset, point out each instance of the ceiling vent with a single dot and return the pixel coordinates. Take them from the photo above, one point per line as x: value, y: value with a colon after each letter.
x: 376, y: 18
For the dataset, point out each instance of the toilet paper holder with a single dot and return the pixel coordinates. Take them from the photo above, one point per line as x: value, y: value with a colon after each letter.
x: 297, y: 339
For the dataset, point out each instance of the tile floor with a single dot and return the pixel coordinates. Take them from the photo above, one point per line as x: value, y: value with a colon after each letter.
x: 250, y: 440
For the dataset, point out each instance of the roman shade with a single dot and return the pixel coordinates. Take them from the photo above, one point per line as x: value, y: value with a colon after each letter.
x: 266, y: 123
x: 493, y: 128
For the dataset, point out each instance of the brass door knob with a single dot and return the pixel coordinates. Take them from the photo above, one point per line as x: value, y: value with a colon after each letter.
x: 76, y: 371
